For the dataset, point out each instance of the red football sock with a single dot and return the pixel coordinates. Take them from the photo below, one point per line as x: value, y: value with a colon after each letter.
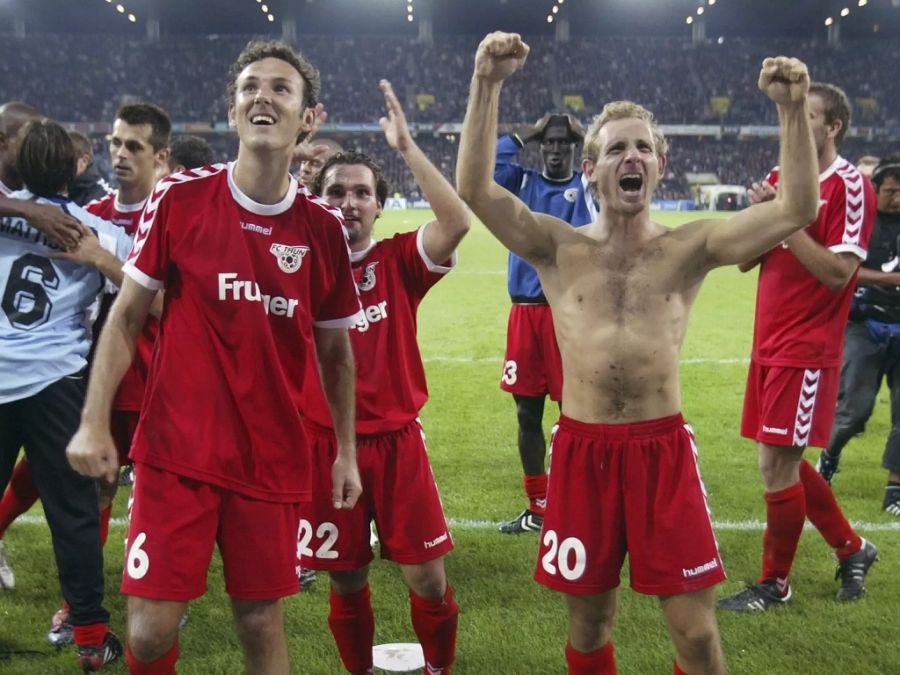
x: 164, y: 665
x: 823, y: 511
x: 104, y: 524
x: 785, y: 514
x: 93, y: 634
x: 352, y: 624
x: 599, y: 662
x: 435, y: 622
x: 20, y: 495
x: 678, y: 670
x: 536, y: 489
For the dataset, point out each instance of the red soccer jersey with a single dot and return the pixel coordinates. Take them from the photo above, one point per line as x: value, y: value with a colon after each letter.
x: 392, y: 276
x: 245, y: 283
x: 800, y: 322
x: 131, y: 390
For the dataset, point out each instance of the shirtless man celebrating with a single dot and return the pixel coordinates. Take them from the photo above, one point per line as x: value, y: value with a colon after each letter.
x: 621, y: 289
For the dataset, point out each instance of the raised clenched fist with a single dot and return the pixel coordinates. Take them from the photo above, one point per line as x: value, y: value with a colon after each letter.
x: 500, y: 55
x: 784, y: 80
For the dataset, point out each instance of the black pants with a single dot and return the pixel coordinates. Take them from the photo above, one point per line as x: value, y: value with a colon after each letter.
x: 43, y: 424
x: 866, y: 362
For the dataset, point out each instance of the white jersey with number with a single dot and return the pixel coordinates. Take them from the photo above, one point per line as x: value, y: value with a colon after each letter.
x: 44, y: 311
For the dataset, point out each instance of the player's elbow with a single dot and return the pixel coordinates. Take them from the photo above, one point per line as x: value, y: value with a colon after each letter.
x: 801, y: 211
x: 838, y: 279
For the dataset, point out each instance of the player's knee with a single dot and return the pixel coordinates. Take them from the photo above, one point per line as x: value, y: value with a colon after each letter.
x: 146, y: 642
x: 697, y: 641
x: 345, y: 583
x: 530, y: 414
x: 428, y: 580
x: 259, y: 622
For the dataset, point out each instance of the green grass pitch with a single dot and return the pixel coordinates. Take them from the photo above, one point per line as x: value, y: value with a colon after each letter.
x: 508, y: 624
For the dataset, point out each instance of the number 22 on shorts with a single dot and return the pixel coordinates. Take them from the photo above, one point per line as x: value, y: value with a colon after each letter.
x: 567, y: 558
x: 328, y: 532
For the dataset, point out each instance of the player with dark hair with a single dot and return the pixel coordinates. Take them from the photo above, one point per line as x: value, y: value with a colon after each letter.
x: 624, y: 477
x: 138, y: 148
x: 58, y: 226
x: 323, y: 148
x: 189, y: 152
x: 257, y: 276
x: 872, y: 340
x: 803, y: 298
x: 44, y: 331
x: 399, y: 493
x: 532, y: 369
x: 88, y: 184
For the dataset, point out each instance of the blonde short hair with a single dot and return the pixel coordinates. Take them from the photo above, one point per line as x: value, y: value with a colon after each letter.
x: 622, y: 110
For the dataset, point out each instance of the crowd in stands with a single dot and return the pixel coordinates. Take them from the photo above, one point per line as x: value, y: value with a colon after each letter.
x: 85, y: 78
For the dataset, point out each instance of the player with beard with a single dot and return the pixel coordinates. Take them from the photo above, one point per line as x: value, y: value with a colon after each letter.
x: 399, y: 493
x: 532, y: 369
x: 621, y: 289
x: 257, y: 276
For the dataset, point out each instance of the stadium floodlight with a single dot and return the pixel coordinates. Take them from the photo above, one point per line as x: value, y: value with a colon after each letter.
x: 829, y: 21
x: 549, y: 18
x: 132, y: 18
x: 712, y: 2
x: 120, y: 9
x: 265, y: 9
x: 271, y: 18
x: 845, y: 11
x: 560, y: 1
x: 863, y: 3
x: 700, y: 11
x: 689, y: 20
x: 555, y: 9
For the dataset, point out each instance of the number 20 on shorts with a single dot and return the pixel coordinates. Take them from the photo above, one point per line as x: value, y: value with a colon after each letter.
x: 567, y: 558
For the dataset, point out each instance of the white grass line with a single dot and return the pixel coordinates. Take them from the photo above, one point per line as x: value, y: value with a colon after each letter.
x: 439, y: 358
x: 745, y: 525
x: 470, y: 524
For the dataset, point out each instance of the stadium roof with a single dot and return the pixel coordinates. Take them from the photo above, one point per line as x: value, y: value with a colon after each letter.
x: 730, y: 18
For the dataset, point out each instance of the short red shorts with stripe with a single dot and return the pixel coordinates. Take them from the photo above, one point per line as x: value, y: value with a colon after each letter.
x: 399, y: 495
x: 627, y: 488
x: 174, y: 524
x: 532, y: 365
x: 790, y: 406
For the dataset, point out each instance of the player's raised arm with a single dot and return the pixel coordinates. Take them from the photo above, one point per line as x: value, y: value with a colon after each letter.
x: 451, y: 216
x: 523, y: 232
x: 762, y: 226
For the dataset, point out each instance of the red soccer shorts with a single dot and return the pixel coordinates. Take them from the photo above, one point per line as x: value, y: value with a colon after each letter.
x: 532, y: 365
x: 627, y: 488
x: 790, y: 406
x: 122, y: 425
x: 175, y: 522
x: 399, y: 494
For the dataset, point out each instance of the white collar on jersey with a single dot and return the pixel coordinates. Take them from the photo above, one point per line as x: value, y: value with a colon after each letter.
x: 356, y: 256
x: 831, y: 169
x: 256, y: 207
x: 5, y: 190
x: 128, y: 208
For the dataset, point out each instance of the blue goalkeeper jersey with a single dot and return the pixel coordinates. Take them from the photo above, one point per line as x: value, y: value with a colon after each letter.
x: 46, y: 303
x: 569, y: 200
